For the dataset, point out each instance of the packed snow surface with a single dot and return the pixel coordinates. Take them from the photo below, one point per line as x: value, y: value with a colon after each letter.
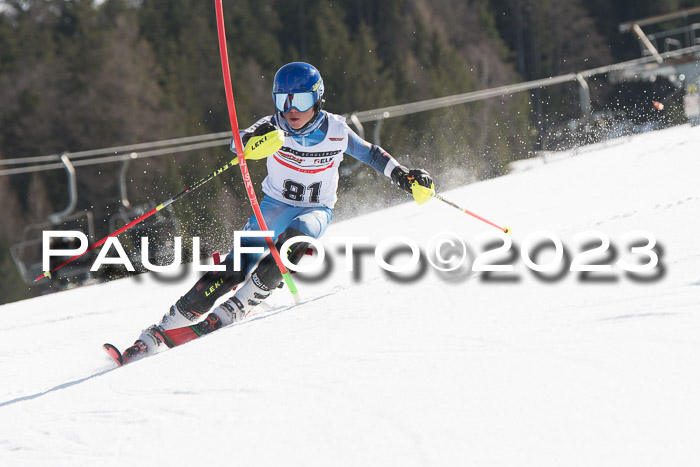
x: 453, y: 368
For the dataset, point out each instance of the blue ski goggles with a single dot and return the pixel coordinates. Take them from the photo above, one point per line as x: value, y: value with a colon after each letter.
x: 302, y: 101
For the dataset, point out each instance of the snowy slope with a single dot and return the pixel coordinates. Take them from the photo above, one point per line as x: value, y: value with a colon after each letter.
x: 447, y: 369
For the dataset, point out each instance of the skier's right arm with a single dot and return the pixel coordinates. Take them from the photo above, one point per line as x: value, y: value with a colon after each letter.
x: 259, y: 128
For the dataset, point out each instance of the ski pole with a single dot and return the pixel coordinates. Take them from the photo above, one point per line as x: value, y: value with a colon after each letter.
x: 505, y: 229
x: 239, y: 149
x: 422, y: 194
x: 161, y: 206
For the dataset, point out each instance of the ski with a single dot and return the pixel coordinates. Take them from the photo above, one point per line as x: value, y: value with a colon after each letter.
x: 172, y: 337
x: 135, y: 352
x: 179, y: 336
x: 113, y: 352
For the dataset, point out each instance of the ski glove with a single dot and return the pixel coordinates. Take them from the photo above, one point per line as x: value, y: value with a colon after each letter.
x: 263, y: 129
x: 402, y: 178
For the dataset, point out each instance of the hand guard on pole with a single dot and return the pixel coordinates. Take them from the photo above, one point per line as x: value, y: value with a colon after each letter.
x: 263, y: 142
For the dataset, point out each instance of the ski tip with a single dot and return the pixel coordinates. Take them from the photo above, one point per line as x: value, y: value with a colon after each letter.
x: 113, y: 352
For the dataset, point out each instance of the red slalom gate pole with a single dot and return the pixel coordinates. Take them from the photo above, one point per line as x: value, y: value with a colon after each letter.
x: 239, y: 148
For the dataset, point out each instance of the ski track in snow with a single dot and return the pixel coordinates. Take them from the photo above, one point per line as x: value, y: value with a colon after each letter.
x: 56, y: 388
x: 461, y: 368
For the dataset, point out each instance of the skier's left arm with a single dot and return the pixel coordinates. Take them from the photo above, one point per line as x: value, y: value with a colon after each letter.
x: 383, y: 162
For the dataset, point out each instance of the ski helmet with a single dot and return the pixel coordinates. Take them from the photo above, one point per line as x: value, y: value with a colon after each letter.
x: 298, y: 85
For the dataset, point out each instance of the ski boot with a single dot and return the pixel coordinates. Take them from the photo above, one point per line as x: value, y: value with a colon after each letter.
x: 135, y: 352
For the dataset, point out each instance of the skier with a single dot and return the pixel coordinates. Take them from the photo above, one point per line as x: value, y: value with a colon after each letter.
x: 300, y: 192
